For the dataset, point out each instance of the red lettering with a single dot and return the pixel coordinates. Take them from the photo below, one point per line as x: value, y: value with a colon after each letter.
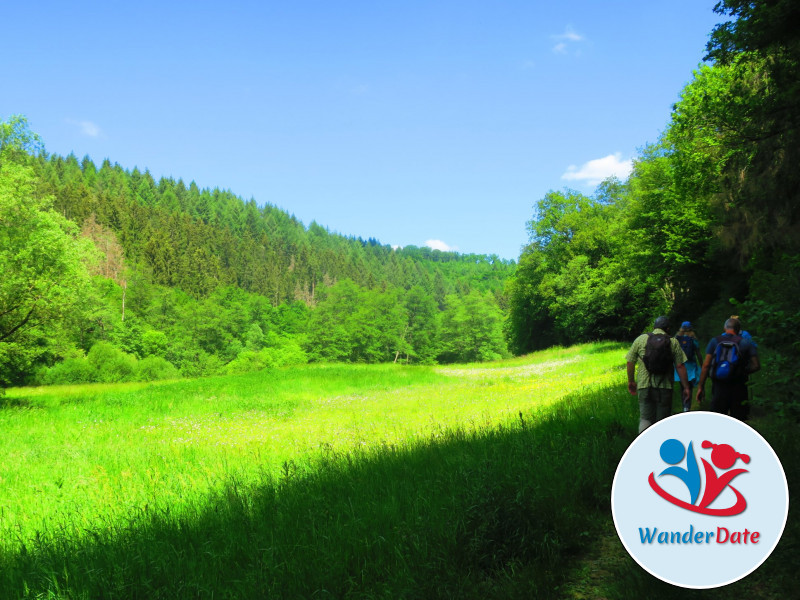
x: 736, y: 537
x: 720, y: 539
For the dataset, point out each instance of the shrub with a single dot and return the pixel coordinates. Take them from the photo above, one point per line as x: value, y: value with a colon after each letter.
x: 154, y: 343
x: 154, y: 368
x: 247, y: 362
x: 112, y: 364
x: 71, y: 370
x: 288, y: 353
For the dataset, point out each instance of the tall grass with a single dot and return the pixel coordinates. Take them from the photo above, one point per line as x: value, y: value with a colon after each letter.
x: 336, y: 481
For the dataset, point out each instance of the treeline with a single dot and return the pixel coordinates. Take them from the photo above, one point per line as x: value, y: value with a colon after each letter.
x: 198, y: 240
x: 706, y: 224
x: 110, y: 275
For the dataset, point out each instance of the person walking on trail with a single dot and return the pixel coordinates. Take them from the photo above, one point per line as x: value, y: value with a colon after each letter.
x: 691, y: 348
x: 655, y: 354
x: 730, y: 359
x: 746, y: 335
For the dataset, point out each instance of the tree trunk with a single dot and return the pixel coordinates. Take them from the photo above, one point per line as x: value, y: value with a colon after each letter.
x: 124, y: 289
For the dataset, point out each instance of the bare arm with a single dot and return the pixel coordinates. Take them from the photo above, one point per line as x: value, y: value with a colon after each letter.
x: 701, y: 387
x: 754, y: 365
x: 685, y: 393
x: 631, y: 378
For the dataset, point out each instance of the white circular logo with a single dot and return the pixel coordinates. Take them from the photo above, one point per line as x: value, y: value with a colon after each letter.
x: 700, y: 500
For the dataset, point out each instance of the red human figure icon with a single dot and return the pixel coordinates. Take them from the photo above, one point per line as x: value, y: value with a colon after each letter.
x: 724, y: 457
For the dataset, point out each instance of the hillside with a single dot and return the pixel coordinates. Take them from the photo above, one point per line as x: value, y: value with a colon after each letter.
x: 163, y: 279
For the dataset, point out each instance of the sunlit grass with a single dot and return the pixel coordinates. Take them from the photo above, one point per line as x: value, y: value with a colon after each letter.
x: 83, y: 456
x: 283, y: 476
x: 480, y: 481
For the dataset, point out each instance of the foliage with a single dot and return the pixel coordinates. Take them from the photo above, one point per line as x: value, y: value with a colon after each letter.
x: 198, y: 277
x: 471, y: 329
x: 588, y: 271
x: 773, y: 312
x: 41, y: 258
x: 708, y: 213
x: 285, y: 353
x: 154, y: 368
x: 106, y: 363
x: 355, y: 324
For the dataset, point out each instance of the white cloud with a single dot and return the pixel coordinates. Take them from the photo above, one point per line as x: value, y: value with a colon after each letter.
x: 566, y: 40
x: 595, y: 171
x: 440, y: 245
x: 571, y: 35
x: 87, y: 128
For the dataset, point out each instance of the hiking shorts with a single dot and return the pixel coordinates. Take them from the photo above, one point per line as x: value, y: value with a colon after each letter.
x: 654, y: 404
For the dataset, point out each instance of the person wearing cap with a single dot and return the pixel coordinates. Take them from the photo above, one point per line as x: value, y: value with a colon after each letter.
x: 691, y: 348
x: 729, y: 396
x: 655, y: 390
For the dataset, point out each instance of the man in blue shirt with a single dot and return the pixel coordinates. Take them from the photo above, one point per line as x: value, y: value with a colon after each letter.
x: 729, y: 394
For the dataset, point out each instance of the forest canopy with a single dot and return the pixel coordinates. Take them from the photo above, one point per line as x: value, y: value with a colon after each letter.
x: 114, y: 276
x: 707, y: 222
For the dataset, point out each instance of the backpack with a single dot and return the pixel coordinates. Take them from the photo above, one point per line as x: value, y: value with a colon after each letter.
x: 658, y: 354
x: 687, y: 345
x: 727, y: 360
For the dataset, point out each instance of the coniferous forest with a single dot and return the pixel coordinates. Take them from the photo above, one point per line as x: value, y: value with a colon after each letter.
x: 111, y: 275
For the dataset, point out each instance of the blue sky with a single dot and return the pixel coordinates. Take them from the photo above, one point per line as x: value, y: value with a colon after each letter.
x: 411, y: 122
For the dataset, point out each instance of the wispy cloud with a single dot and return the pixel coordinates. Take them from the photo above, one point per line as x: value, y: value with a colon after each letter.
x: 566, y: 41
x: 440, y: 245
x: 595, y: 171
x: 87, y: 128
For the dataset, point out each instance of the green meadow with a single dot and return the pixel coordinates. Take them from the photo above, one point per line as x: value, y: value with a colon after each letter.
x: 327, y: 481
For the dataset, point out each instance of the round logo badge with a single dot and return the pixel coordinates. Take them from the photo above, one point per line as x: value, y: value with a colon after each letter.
x: 700, y: 500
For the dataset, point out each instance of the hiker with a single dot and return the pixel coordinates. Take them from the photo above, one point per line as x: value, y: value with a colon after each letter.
x: 746, y: 335
x: 730, y: 359
x: 691, y: 348
x: 655, y: 354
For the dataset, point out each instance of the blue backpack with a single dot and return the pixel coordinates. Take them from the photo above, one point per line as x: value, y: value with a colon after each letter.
x: 726, y: 364
x: 687, y: 345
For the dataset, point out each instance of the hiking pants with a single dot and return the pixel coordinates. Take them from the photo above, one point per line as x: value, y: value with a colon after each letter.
x: 730, y: 399
x: 654, y: 404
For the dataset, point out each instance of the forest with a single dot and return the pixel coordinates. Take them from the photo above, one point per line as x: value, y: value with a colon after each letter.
x: 705, y: 226
x: 110, y: 275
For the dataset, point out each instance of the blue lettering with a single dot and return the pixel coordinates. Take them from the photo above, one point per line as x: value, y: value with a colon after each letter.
x: 687, y: 537
x: 647, y: 538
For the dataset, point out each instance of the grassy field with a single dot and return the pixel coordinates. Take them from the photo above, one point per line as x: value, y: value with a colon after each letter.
x: 366, y: 481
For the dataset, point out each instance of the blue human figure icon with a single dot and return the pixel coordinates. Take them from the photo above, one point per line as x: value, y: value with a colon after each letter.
x: 672, y: 452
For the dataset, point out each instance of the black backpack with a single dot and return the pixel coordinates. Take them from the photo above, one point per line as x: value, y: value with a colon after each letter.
x: 658, y: 354
x: 687, y: 345
x: 727, y: 361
